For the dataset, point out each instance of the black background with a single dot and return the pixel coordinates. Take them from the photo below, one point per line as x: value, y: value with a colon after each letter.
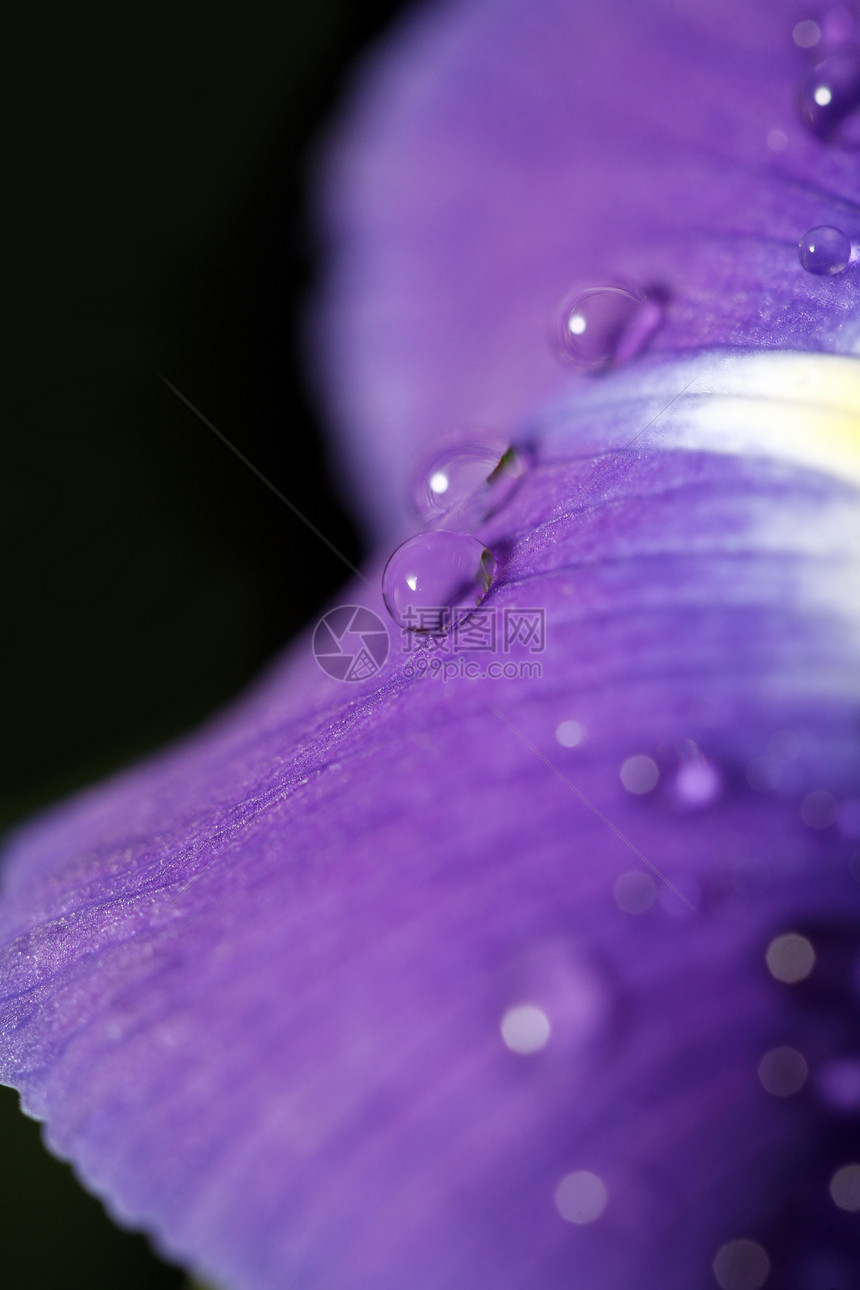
x: 157, y: 183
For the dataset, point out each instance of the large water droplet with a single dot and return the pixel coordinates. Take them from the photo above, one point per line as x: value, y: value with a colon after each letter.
x: 607, y: 325
x: 433, y: 572
x: 467, y: 481
x: 824, y: 250
x: 830, y: 98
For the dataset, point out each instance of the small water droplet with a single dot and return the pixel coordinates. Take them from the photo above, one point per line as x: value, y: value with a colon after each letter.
x: 467, y: 481
x: 783, y: 1072
x: 570, y: 733
x: 567, y: 996
x: 741, y: 1265
x: 790, y: 958
x: 830, y: 98
x: 639, y: 774
x: 806, y: 34
x: 697, y: 784
x: 581, y: 1197
x: 433, y: 572
x: 824, y: 250
x: 634, y: 891
x: 607, y: 325
x: 525, y: 1029
x: 845, y: 1188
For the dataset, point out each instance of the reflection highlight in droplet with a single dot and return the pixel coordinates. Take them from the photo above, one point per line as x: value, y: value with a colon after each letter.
x: 790, y: 958
x: 525, y: 1029
x: 581, y: 1197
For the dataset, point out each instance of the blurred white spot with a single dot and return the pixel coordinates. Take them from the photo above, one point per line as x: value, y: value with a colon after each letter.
x: 439, y: 482
x: 639, y: 774
x: 845, y: 1188
x: 777, y: 140
x: 570, y: 733
x: 822, y: 95
x: 806, y: 34
x: 839, y: 1084
x: 783, y: 1072
x: 790, y: 958
x: 634, y: 891
x: 818, y: 810
x: 525, y: 1029
x: 697, y: 783
x: 576, y: 324
x: 581, y: 1197
x: 741, y: 1265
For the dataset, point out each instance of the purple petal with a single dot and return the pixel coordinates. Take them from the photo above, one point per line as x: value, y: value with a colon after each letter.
x: 271, y: 992
x: 513, y: 152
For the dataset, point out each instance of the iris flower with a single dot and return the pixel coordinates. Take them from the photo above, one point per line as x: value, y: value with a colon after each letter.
x: 522, y: 981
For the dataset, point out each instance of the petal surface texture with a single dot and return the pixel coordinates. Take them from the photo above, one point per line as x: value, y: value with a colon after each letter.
x: 548, y: 978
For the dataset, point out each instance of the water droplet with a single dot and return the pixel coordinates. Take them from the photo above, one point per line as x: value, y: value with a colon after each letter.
x: 824, y: 250
x: 607, y: 325
x: 830, y: 98
x: 697, y: 784
x: 639, y: 774
x: 556, y: 984
x: 467, y: 481
x: 806, y: 34
x: 570, y: 733
x: 783, y: 1072
x: 525, y: 1029
x: 634, y: 891
x: 581, y: 1197
x: 790, y: 958
x: 433, y: 572
x: 741, y: 1265
x: 845, y: 1188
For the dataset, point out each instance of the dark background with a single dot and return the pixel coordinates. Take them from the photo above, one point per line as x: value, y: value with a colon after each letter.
x: 157, y: 182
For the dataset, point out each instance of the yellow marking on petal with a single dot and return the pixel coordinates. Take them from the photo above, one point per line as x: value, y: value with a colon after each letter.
x: 803, y: 408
